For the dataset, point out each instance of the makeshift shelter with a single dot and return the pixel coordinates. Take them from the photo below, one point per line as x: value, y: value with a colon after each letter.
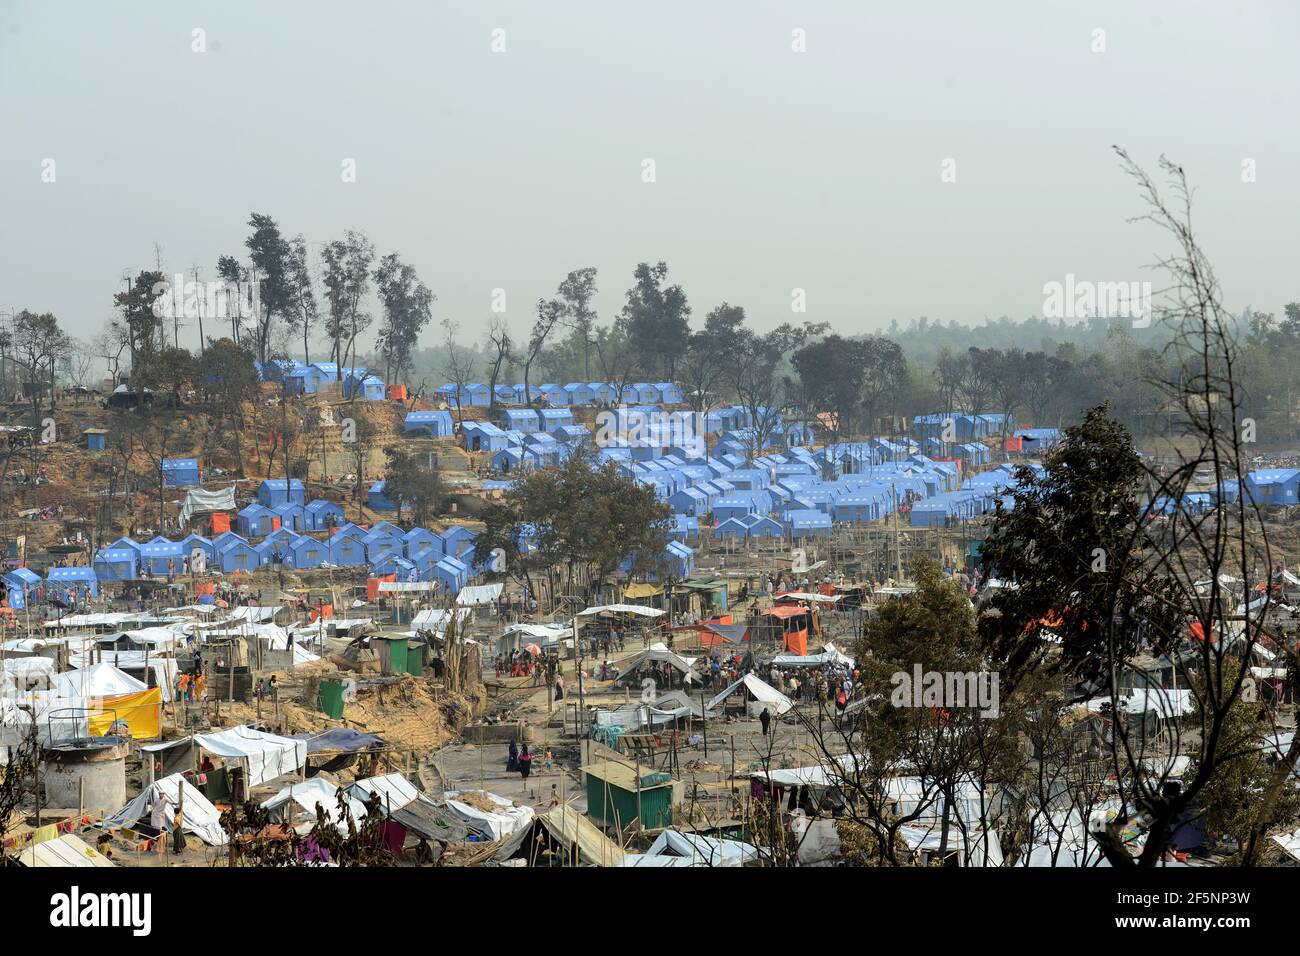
x: 65, y: 851
x: 794, y: 623
x: 261, y: 756
x: 255, y: 521
x: 198, y: 815
x: 503, y: 819
x: 61, y: 581
x: 617, y: 796
x: 658, y: 653
x: 561, y: 837
x: 180, y: 472
x: 765, y: 696
x: 673, y: 848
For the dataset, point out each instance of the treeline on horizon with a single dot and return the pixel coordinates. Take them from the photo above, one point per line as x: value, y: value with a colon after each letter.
x: 318, y: 300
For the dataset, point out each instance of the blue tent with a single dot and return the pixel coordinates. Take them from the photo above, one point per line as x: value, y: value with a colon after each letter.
x: 180, y: 472
x: 237, y: 555
x: 364, y: 385
x: 457, y: 540
x: 376, y: 500
x: 507, y: 394
x: 61, y: 581
x: 292, y: 516
x: 320, y: 514
x: 579, y: 393
x: 808, y: 523
x: 452, y: 573
x: 553, y: 418
x: 520, y: 419
x: 306, y: 552
x: 418, y: 539
x: 670, y: 393
x: 162, y: 557
x: 254, y: 521
x: 731, y: 528
x: 435, y: 424
x: 21, y: 582
x: 380, y: 544
x: 277, y: 491
x: 346, y: 551
x: 192, y: 541
x: 117, y: 564
x: 483, y: 436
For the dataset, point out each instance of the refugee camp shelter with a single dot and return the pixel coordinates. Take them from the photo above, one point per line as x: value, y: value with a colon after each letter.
x: 433, y: 424
x: 116, y: 564
x: 617, y: 796
x: 320, y: 515
x: 180, y: 472
x: 255, y: 521
x: 278, y: 491
x: 62, y: 580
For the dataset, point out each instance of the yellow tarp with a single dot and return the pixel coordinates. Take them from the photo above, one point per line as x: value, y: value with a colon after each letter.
x: 639, y: 590
x: 142, y: 712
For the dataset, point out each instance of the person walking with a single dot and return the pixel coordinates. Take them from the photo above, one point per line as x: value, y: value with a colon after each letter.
x: 765, y: 718
x: 559, y: 689
x: 525, y: 764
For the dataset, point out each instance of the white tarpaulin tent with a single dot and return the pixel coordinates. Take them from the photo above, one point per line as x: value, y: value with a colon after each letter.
x: 507, y: 818
x: 766, y: 693
x: 660, y: 653
x: 199, y: 816
x: 621, y: 609
x: 394, y: 791
x: 57, y: 718
x: 674, y: 848
x: 199, y: 500
x: 830, y: 654
x: 1166, y: 703
x: 306, y: 796
x: 477, y: 594
x: 97, y: 680
x: 263, y: 756
x: 826, y: 775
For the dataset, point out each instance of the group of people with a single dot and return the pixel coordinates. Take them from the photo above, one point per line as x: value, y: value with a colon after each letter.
x: 830, y: 683
x: 192, y: 685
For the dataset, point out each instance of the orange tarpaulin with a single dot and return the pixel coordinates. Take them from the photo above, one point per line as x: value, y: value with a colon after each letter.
x: 397, y: 393
x: 372, y: 586
x: 220, y: 522
x: 204, y: 588
x: 324, y: 612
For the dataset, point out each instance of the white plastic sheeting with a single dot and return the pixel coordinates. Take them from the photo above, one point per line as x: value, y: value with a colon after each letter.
x: 97, y: 680
x: 764, y: 692
x: 691, y: 849
x: 478, y: 594
x: 263, y: 756
x: 320, y: 792
x: 636, y: 609
x: 506, y: 820
x: 199, y: 500
x: 199, y: 816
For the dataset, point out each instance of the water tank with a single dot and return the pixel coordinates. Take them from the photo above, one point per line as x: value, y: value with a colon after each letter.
x: 88, y: 773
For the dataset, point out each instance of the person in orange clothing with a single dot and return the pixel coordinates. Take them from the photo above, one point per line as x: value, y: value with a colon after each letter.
x: 183, y: 687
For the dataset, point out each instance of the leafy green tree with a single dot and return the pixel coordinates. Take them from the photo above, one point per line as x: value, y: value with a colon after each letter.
x: 412, y: 483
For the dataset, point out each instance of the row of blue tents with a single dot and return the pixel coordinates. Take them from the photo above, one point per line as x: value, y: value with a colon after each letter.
x: 417, y: 554
x: 21, y: 583
x: 574, y: 393
x: 298, y: 378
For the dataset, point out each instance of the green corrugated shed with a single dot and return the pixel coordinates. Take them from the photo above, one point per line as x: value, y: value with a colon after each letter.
x: 613, y: 797
x: 415, y: 658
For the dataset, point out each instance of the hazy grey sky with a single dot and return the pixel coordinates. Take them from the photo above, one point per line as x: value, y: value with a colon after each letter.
x: 775, y: 169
